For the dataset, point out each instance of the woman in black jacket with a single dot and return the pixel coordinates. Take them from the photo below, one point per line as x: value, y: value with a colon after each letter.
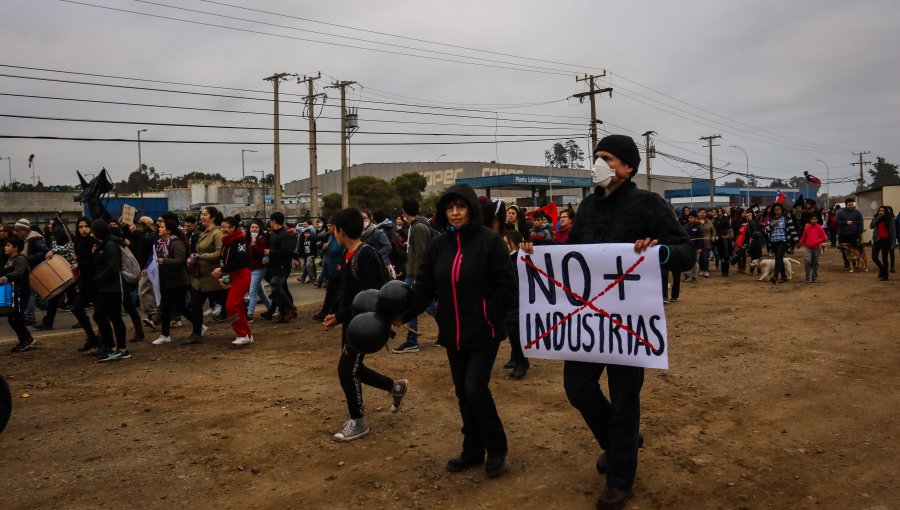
x: 110, y: 288
x: 469, y: 270
x: 171, y: 250
x: 87, y: 291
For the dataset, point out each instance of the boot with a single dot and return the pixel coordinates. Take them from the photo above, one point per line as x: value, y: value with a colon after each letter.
x: 138, y: 331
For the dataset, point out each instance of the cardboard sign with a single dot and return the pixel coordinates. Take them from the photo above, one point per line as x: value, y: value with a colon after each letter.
x: 128, y: 214
x: 599, y: 303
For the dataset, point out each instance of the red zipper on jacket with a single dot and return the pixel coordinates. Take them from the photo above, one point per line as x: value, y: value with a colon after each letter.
x: 454, y: 277
x: 489, y: 323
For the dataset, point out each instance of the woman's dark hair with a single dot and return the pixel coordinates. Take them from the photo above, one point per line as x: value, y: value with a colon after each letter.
x: 84, y: 220
x: 100, y: 228
x: 349, y: 221
x: 514, y: 237
x: 214, y: 214
x: 18, y: 244
x: 779, y: 206
x: 234, y: 221
x: 491, y: 211
x: 259, y: 223
x: 172, y: 228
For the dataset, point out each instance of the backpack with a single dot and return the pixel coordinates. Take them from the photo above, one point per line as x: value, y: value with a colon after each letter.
x: 398, y: 250
x: 131, y: 270
x: 434, y: 232
x: 354, y: 265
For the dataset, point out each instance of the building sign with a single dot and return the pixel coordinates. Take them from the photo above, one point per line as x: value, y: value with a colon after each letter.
x: 442, y: 177
x: 537, y: 179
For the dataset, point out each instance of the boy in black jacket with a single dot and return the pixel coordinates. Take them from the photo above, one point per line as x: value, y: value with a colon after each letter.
x: 362, y: 269
x: 16, y: 271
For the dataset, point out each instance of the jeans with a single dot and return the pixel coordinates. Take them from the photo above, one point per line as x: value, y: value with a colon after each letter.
x: 309, y: 268
x: 704, y: 260
x: 257, y: 293
x: 811, y: 264
x: 482, y: 429
x: 352, y: 374
x: 615, y: 422
x: 880, y: 249
x: 28, y: 313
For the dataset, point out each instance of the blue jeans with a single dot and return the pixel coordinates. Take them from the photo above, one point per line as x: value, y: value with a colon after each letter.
x: 412, y: 338
x: 257, y: 293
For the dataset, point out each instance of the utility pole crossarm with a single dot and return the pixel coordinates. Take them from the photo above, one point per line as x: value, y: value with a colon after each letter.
x: 591, y: 93
x: 861, y: 163
x: 345, y: 171
x: 712, y: 180
x: 650, y: 154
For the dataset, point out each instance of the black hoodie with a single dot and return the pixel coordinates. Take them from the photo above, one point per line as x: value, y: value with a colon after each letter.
x: 471, y: 274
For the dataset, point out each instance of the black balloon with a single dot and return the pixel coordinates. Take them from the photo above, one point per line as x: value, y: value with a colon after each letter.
x: 368, y: 332
x: 394, y: 298
x: 365, y: 301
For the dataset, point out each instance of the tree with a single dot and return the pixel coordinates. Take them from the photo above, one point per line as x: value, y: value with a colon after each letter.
x: 374, y: 194
x: 574, y: 154
x: 778, y: 183
x: 331, y: 204
x: 884, y: 173
x: 428, y: 205
x: 410, y: 185
x: 556, y: 156
x: 737, y: 183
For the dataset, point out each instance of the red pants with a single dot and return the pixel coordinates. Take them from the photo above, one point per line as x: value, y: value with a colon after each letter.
x: 234, y: 305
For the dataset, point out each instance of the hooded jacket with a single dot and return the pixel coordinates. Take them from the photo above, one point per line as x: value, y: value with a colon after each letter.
x: 376, y: 238
x: 173, y: 270
x: 234, y: 252
x: 35, y: 248
x: 108, y: 266
x: 470, y: 272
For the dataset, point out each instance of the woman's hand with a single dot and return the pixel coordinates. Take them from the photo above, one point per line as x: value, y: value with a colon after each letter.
x: 527, y: 247
x: 217, y: 272
x: 330, y: 321
x: 642, y: 244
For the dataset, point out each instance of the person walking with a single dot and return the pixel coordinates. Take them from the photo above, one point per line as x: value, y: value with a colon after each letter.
x: 468, y: 269
x: 332, y: 262
x: 849, y: 224
x: 256, y: 250
x: 813, y: 239
x: 417, y: 243
x: 236, y: 265
x: 280, y: 254
x: 724, y: 238
x: 83, y: 271
x: 204, y: 286
x: 15, y: 271
x: 110, y: 289
x: 782, y: 235
x: 884, y: 236
x: 171, y: 252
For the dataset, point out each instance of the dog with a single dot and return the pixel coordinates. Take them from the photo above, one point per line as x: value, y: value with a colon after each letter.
x: 856, y: 256
x: 768, y: 267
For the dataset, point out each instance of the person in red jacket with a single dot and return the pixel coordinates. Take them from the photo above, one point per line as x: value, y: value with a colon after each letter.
x: 813, y: 239
x: 235, y: 263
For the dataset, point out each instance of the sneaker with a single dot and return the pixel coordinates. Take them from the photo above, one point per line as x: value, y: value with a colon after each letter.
x: 706, y: 274
x: 162, y: 340
x: 216, y: 310
x: 110, y: 356
x: 27, y: 346
x: 353, y: 429
x: 249, y: 319
x: 319, y: 317
x: 613, y: 499
x: 175, y: 324
x: 268, y: 315
x: 204, y: 329
x: 88, y: 345
x: 43, y: 326
x: 405, y: 347
x: 124, y: 354
x: 673, y: 300
x: 193, y: 339
x: 220, y: 317
x: 148, y: 323
x: 243, y: 340
x: 397, y: 393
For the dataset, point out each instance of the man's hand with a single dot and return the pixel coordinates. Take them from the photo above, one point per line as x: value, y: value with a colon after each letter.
x: 217, y: 272
x: 49, y: 255
x: 527, y: 247
x: 642, y: 244
x: 330, y: 321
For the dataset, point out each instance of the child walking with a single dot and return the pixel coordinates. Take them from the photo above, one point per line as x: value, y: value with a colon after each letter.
x: 16, y: 272
x: 813, y: 239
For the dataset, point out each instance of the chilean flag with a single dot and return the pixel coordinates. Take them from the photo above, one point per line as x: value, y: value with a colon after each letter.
x: 781, y: 197
x: 810, y: 178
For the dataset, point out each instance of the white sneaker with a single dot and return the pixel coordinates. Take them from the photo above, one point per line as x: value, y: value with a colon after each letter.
x: 208, y: 312
x: 243, y: 340
x: 353, y: 429
x: 162, y: 340
x: 203, y: 330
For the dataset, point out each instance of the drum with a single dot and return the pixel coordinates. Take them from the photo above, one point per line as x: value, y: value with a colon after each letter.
x: 51, y: 277
x: 7, y: 299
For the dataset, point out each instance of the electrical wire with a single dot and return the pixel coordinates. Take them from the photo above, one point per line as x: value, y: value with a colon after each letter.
x: 223, y: 142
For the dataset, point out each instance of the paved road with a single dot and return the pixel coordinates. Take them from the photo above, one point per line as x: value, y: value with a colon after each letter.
x: 304, y: 294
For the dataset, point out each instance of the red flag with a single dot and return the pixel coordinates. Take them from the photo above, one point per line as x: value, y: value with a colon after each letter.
x: 781, y: 197
x: 30, y: 159
x: 549, y: 210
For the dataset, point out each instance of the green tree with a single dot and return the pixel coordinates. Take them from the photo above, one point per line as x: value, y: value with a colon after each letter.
x: 884, y: 173
x: 778, y: 183
x: 373, y: 194
x: 410, y: 185
x: 556, y: 156
x: 428, y: 205
x: 574, y: 154
x: 331, y: 204
x: 737, y: 183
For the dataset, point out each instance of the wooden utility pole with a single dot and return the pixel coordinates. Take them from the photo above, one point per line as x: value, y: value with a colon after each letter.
x: 591, y: 93
x: 313, y: 154
x: 862, y: 180
x: 345, y: 171
x: 712, y: 180
x: 650, y: 152
x: 276, y: 79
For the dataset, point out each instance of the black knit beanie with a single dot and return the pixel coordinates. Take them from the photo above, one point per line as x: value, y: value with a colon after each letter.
x: 622, y: 147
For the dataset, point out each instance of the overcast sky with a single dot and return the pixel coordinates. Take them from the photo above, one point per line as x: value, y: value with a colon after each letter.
x: 789, y: 82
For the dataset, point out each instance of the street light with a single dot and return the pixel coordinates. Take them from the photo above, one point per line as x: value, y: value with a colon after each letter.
x: 242, y: 160
x: 140, y: 168
x: 827, y: 181
x: 9, y: 160
x: 263, y: 180
x: 701, y: 169
x: 747, y: 159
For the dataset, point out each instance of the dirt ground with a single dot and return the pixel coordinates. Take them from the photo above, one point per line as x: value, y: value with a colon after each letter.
x: 780, y: 396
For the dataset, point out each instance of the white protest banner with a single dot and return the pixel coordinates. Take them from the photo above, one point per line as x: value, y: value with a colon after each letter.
x: 599, y: 303
x: 153, y: 276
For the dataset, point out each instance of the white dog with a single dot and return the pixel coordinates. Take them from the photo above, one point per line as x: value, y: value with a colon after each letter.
x: 768, y: 267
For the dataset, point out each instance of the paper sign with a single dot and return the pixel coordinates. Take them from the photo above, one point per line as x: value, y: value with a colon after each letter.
x: 153, y: 276
x: 599, y: 303
x: 128, y: 214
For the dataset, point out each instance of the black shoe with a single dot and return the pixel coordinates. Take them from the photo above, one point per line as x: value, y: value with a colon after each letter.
x: 495, y: 465
x: 509, y: 364
x: 319, y: 317
x: 43, y: 326
x: 519, y: 371
x: 463, y: 462
x: 76, y: 326
x: 602, y: 461
x: 88, y: 345
x: 613, y: 499
x: 222, y: 317
x: 267, y: 315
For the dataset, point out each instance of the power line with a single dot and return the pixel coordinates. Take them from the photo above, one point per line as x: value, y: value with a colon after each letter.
x: 223, y: 142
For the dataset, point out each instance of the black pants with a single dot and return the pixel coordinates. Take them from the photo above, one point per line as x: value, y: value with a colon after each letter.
x: 352, y: 374
x: 482, y: 429
x: 880, y: 249
x: 198, y: 299
x: 725, y: 247
x: 130, y: 309
x: 676, y: 283
x: 70, y: 294
x: 171, y: 300
x: 780, y: 248
x: 515, y: 344
x: 17, y: 321
x: 331, y: 294
x: 615, y: 423
x: 79, y: 310
x: 108, y: 316
x: 754, y: 249
x: 281, y: 296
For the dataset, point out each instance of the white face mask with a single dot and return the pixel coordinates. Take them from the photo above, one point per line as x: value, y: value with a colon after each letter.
x: 601, y: 173
x: 365, y: 223
x: 254, y: 234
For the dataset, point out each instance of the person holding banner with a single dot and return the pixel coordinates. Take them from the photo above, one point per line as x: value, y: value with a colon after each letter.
x: 618, y: 212
x: 468, y: 269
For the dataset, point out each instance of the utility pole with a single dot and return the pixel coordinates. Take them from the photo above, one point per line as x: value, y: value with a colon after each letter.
x: 862, y: 180
x: 313, y: 154
x: 593, y: 92
x: 276, y: 79
x: 712, y: 180
x: 650, y: 151
x: 345, y: 171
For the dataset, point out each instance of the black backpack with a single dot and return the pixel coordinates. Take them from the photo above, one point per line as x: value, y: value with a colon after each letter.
x: 398, y: 250
x: 434, y: 232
